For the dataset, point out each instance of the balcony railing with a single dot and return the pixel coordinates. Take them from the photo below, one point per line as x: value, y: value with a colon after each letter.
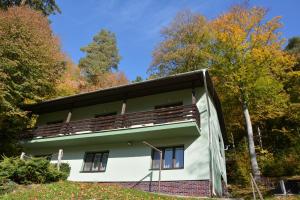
x: 128, y: 120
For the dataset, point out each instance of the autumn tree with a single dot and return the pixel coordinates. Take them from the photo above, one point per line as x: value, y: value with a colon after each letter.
x: 108, y: 80
x: 102, y: 56
x: 185, y: 46
x: 30, y: 65
x: 251, y: 64
x: 293, y: 84
x: 47, y: 7
x: 70, y: 81
x: 243, y: 51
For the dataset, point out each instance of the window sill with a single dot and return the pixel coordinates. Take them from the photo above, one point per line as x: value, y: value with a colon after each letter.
x: 92, y: 171
x: 166, y: 169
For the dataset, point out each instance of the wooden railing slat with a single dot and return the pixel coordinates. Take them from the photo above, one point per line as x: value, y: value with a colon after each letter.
x: 156, y: 116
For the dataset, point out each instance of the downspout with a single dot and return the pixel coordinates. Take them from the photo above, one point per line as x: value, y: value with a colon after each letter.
x: 211, y: 172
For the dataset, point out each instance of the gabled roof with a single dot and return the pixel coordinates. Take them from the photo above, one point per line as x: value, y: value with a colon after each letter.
x: 132, y: 90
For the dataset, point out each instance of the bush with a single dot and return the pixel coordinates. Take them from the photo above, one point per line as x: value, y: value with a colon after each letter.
x: 238, y: 166
x: 65, y: 169
x: 34, y: 170
x: 6, y: 185
x: 287, y: 165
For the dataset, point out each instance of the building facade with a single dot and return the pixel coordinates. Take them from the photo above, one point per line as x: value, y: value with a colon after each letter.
x: 105, y: 134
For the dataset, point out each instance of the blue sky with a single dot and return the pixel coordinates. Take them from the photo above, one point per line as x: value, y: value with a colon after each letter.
x: 137, y: 24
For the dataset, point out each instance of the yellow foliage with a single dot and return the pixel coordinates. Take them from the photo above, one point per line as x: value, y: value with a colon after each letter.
x: 70, y: 81
x: 250, y: 62
x: 106, y: 80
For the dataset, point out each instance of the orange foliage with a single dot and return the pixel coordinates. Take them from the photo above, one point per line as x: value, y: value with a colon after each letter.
x: 71, y: 80
x: 106, y: 80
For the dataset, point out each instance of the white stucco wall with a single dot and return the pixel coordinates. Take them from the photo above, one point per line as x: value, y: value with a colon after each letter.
x: 132, y: 163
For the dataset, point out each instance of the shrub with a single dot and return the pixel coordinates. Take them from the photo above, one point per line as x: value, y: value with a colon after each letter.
x: 34, y: 170
x: 65, y: 169
x: 287, y: 165
x: 238, y: 166
x: 6, y: 185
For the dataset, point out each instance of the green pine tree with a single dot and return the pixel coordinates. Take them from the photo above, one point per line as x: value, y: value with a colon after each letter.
x: 102, y: 55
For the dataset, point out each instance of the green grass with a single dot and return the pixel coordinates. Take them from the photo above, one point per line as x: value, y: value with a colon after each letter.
x: 245, y: 192
x: 88, y: 191
x: 71, y: 190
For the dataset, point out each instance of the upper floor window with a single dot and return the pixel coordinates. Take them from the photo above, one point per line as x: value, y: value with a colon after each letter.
x: 95, y: 161
x: 169, y: 105
x: 172, y: 158
x: 55, y: 122
x: 106, y: 114
x: 168, y: 115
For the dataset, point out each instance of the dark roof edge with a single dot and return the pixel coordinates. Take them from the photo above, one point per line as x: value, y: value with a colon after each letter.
x: 120, y: 87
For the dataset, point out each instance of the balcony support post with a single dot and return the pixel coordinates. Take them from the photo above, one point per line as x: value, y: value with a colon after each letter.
x: 193, y: 96
x: 123, y: 107
x: 69, y: 116
x: 123, y: 111
x: 59, y: 158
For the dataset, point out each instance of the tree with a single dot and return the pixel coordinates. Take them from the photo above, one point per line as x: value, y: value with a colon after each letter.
x: 251, y: 64
x: 30, y: 65
x: 243, y: 51
x: 102, y: 56
x: 70, y: 81
x: 47, y: 7
x: 185, y: 46
x: 108, y: 80
x: 137, y: 79
x: 293, y: 84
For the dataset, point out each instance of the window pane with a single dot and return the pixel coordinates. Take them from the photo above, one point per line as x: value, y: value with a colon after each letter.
x: 168, y: 158
x: 96, y: 163
x: 104, y: 162
x: 179, y: 157
x: 88, y: 162
x: 155, y: 160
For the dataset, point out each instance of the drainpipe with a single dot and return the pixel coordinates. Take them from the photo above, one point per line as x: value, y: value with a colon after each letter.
x: 211, y: 172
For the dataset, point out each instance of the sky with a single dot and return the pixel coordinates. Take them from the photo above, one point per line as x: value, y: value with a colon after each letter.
x: 137, y: 24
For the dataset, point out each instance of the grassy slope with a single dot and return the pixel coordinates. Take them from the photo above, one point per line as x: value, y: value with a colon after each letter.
x: 82, y: 191
x: 69, y: 190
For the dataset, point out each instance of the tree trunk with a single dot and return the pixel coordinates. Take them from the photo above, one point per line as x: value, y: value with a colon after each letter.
x: 22, y: 2
x: 254, y: 165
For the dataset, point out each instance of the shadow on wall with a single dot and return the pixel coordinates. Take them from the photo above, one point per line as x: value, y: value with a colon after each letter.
x: 200, y: 155
x: 115, y: 151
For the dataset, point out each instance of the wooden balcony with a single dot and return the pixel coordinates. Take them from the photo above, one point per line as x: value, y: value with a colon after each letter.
x: 128, y: 120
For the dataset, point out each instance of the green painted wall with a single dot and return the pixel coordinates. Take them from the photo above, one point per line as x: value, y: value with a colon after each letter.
x: 217, y: 147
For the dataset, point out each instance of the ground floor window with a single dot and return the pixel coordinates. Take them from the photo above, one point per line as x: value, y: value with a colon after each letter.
x: 95, y: 161
x: 172, y: 158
